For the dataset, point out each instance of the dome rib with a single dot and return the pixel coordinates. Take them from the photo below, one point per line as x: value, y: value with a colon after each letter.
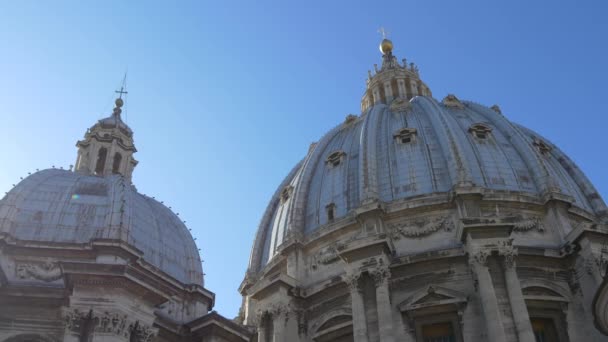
x: 369, y: 183
x: 588, y: 193
x: 451, y: 151
x: 255, y: 257
x: 297, y: 217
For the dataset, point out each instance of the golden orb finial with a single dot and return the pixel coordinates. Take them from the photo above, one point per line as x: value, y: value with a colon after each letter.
x: 386, y: 46
x: 119, y: 102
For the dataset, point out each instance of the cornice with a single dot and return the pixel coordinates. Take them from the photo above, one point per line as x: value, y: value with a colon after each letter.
x: 77, y: 260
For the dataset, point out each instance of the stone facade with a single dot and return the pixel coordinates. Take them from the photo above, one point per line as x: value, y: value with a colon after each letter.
x: 440, y: 221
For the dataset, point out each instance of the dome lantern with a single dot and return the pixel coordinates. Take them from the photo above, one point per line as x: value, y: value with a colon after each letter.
x: 107, y: 147
x: 393, y: 80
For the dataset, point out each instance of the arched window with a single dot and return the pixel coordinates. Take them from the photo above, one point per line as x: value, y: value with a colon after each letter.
x: 548, y: 311
x: 339, y: 328
x: 101, y: 160
x: 116, y: 164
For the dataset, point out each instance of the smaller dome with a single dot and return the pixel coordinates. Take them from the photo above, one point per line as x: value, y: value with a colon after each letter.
x: 60, y: 206
x: 386, y: 46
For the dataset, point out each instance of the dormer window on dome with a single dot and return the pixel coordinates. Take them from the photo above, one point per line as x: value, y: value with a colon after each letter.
x: 542, y: 147
x: 480, y: 130
x: 452, y: 101
x: 405, y: 135
x: 350, y: 118
x: 335, y: 158
x: 286, y: 193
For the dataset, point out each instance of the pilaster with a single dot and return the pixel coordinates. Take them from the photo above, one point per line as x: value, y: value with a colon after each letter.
x: 381, y: 278
x: 489, y: 302
x: 358, y: 308
x: 516, y: 297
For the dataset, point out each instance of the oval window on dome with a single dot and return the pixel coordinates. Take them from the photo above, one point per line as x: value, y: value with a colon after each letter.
x: 480, y: 130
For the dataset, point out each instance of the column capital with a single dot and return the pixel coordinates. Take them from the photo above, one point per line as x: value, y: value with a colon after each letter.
x: 479, y: 257
x: 380, y: 274
x: 509, y: 253
x: 277, y: 309
x: 116, y: 323
x: 352, y: 280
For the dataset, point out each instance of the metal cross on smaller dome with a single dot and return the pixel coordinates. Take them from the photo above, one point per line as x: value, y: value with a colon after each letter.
x: 121, y: 91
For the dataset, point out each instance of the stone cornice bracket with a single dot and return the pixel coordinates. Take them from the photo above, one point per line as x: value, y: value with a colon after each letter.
x: 533, y: 223
x: 380, y: 275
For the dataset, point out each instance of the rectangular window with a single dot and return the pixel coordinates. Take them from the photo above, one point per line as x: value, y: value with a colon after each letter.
x: 544, y: 329
x: 438, y: 332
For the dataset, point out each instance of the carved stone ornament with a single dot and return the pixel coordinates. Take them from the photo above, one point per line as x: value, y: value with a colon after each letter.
x: 273, y: 311
x: 527, y: 224
x: 46, y: 272
x: 380, y: 275
x: 109, y: 323
x: 420, y: 227
x: 325, y: 256
x: 596, y: 262
x: 400, y: 105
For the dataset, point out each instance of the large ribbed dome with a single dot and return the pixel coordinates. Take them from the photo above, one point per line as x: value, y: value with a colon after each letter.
x: 417, y: 149
x: 60, y: 206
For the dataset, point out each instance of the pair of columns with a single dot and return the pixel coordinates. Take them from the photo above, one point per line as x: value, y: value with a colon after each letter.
x: 381, y: 277
x: 489, y: 301
x: 277, y: 317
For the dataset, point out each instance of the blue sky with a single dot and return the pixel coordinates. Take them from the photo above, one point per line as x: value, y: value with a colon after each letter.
x: 226, y: 96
